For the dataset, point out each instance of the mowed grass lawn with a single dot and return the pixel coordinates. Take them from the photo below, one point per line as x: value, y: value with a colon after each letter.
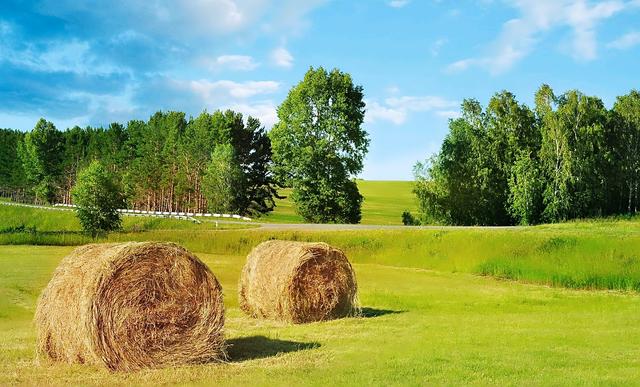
x: 384, y: 202
x: 419, y: 327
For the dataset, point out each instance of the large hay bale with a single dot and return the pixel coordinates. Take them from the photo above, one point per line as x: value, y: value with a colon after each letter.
x: 129, y: 306
x: 298, y: 282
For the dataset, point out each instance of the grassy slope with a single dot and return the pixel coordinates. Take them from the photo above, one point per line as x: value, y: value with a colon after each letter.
x: 384, y: 202
x: 432, y: 327
x: 599, y: 255
x: 66, y: 221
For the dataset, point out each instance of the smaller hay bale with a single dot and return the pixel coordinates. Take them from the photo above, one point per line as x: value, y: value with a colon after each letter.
x: 298, y: 282
x: 130, y: 306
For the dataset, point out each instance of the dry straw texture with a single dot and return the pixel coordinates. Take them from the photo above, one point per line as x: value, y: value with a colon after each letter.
x: 129, y: 306
x: 298, y: 282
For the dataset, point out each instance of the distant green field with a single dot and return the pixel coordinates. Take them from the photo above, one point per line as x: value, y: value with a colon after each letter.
x: 384, y: 202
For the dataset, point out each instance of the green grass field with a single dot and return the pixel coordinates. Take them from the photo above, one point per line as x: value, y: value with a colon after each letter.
x: 419, y: 327
x: 551, y: 304
x: 384, y: 202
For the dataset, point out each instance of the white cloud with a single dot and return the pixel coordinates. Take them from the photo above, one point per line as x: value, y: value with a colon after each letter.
x: 583, y: 20
x: 265, y: 111
x: 437, y: 45
x: 218, y: 90
x: 520, y: 36
x: 232, y: 62
x: 250, y: 98
x: 377, y: 112
x: 397, y: 109
x: 229, y: 15
x: 626, y: 41
x: 398, y: 3
x: 449, y: 114
x: 72, y: 56
x: 191, y: 18
x: 281, y: 57
x: 420, y: 104
x: 289, y: 17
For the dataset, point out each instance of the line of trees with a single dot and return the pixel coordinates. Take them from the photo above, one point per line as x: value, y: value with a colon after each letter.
x: 167, y: 163
x: 216, y: 162
x: 569, y: 157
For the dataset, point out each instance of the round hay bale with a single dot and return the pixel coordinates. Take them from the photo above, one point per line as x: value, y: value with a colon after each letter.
x: 129, y: 306
x: 298, y: 282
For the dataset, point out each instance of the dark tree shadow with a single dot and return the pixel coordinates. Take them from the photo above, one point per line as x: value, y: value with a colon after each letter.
x: 373, y: 312
x: 258, y: 347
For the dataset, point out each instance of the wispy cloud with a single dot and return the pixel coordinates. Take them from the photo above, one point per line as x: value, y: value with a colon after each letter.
x: 626, y: 41
x: 437, y: 45
x: 217, y: 90
x: 231, y: 62
x: 520, y: 36
x: 397, y: 109
x: 378, y: 112
x: 281, y: 57
x: 265, y: 111
x: 398, y: 3
x: 98, y: 63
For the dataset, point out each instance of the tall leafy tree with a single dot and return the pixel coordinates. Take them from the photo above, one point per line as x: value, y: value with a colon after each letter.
x: 253, y: 153
x: 625, y: 143
x: 510, y: 133
x: 555, y: 157
x: 11, y: 171
x: 97, y: 197
x: 584, y: 118
x: 319, y: 145
x: 525, y: 190
x: 42, y: 156
x: 454, y: 187
x: 222, y: 179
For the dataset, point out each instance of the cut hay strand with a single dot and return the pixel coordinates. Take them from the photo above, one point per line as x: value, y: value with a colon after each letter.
x: 129, y: 306
x: 298, y: 282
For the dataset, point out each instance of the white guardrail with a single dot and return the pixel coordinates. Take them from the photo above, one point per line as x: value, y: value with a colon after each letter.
x: 164, y: 214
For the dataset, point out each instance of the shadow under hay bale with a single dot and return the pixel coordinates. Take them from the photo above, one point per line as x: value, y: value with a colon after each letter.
x: 372, y: 312
x: 259, y: 347
x: 129, y: 306
x: 298, y: 282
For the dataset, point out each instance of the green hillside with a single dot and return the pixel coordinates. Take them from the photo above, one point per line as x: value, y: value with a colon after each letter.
x: 384, y: 202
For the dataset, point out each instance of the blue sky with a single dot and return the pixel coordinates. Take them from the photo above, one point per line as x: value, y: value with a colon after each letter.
x: 79, y: 63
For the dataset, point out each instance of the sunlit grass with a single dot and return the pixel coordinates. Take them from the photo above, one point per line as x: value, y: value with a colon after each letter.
x: 423, y: 327
x: 575, y: 255
x: 384, y: 202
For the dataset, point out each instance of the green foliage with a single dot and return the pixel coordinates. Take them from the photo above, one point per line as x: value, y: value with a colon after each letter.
x: 504, y: 165
x: 159, y: 163
x: 322, y: 201
x: 525, y: 190
x: 97, y: 198
x: 409, y: 220
x: 11, y: 172
x: 625, y: 155
x: 42, y: 154
x: 319, y: 145
x: 253, y: 153
x: 222, y: 179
